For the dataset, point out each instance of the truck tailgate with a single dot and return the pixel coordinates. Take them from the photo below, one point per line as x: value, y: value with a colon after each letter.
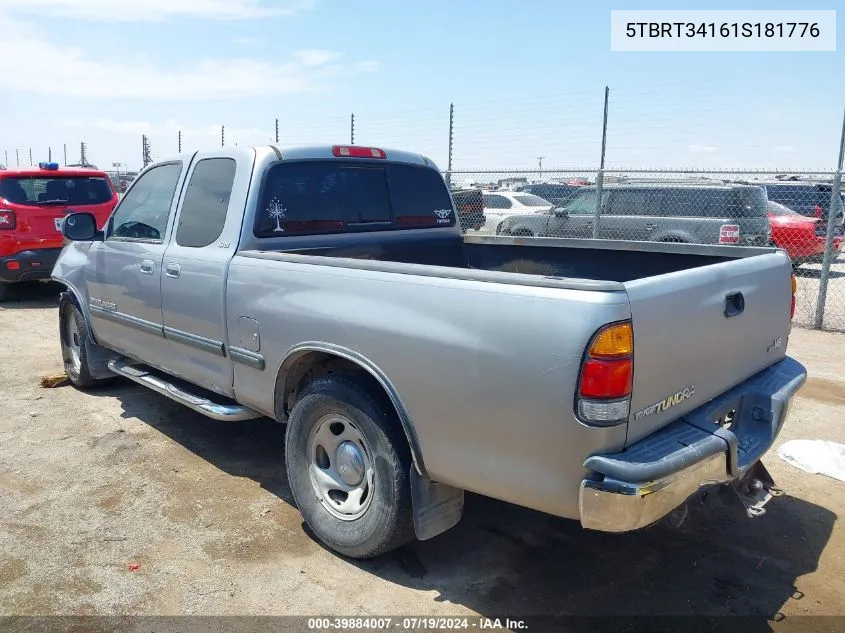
x: 699, y: 332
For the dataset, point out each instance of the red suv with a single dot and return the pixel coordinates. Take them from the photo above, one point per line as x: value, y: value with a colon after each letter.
x: 33, y: 202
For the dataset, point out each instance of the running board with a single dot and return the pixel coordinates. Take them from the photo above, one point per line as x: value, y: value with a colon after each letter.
x: 151, y: 379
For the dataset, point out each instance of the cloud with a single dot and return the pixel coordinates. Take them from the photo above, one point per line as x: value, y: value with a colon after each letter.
x: 316, y: 57
x: 156, y: 10
x: 703, y: 148
x: 368, y: 66
x: 72, y: 72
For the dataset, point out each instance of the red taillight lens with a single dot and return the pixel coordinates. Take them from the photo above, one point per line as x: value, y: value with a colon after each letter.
x: 729, y: 234
x: 7, y: 219
x: 355, y: 151
x: 606, y: 379
x: 13, y: 265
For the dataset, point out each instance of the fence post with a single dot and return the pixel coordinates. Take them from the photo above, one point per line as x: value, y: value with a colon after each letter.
x: 451, y: 139
x: 65, y: 148
x: 277, y: 131
x: 600, y: 175
x: 179, y: 141
x: 352, y: 129
x: 222, y: 136
x: 835, y: 203
x: 17, y: 157
x: 6, y: 154
x: 49, y: 154
x: 30, y: 157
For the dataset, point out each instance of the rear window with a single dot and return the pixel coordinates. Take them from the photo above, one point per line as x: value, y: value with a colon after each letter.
x: 73, y: 190
x: 531, y: 201
x: 311, y: 197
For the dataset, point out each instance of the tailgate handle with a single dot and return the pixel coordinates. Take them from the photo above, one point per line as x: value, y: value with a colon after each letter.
x: 734, y: 304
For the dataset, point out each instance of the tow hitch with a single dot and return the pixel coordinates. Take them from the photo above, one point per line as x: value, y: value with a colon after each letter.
x: 755, y: 489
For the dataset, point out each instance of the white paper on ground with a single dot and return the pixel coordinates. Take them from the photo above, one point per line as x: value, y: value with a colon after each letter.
x: 818, y: 457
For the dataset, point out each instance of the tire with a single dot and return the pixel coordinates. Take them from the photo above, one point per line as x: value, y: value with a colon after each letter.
x: 4, y: 291
x: 375, y: 517
x: 73, y: 335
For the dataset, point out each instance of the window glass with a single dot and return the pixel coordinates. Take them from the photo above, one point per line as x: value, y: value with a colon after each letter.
x: 206, y: 202
x: 144, y: 210
x: 493, y: 201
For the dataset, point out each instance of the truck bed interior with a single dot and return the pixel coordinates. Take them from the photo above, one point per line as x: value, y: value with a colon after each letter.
x: 567, y: 258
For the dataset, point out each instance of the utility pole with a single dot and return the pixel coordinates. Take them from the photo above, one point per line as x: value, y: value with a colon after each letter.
x: 540, y: 163
x: 352, y: 129
x: 600, y: 175
x: 277, y: 131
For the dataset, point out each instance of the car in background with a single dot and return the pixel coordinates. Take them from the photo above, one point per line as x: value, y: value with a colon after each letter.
x: 801, y: 237
x: 469, y: 204
x: 700, y: 213
x: 33, y: 202
x: 810, y: 199
x: 499, y: 205
x: 556, y: 193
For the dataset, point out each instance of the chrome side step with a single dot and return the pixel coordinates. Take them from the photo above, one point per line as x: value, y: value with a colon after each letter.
x: 147, y: 377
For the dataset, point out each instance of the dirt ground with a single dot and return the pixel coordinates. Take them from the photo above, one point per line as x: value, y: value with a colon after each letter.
x: 92, y: 483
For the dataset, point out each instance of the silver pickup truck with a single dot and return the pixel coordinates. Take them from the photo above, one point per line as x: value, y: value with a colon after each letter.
x: 330, y: 288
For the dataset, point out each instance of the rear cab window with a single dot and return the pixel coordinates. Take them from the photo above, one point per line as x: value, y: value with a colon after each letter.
x: 318, y: 196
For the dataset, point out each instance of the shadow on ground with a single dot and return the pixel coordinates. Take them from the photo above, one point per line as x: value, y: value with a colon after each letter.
x: 32, y: 294
x: 505, y: 560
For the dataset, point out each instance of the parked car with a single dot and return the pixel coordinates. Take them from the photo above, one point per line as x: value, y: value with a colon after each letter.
x: 556, y: 193
x: 499, y: 205
x: 331, y: 289
x: 690, y: 213
x: 33, y: 201
x: 469, y: 204
x: 810, y: 199
x: 803, y: 238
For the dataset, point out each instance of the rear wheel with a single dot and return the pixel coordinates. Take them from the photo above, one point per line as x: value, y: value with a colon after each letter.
x: 348, y: 469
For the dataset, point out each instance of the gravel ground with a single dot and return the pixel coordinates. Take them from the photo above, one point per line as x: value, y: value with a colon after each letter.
x: 93, y: 483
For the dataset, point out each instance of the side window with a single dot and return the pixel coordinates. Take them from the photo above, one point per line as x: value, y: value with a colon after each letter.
x: 206, y: 202
x: 677, y: 203
x: 496, y: 202
x: 145, y: 209
x: 584, y: 204
x: 632, y: 202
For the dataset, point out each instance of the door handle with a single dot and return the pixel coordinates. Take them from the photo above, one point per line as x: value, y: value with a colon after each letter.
x: 147, y: 267
x: 173, y: 270
x: 734, y: 304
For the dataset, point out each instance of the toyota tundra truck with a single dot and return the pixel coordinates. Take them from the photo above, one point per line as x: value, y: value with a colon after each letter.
x: 331, y: 289
x: 32, y: 203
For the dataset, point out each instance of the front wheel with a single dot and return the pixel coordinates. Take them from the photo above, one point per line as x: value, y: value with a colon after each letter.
x: 73, y: 335
x: 348, y: 469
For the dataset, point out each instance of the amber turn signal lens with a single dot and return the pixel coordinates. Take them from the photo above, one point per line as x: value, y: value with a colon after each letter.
x: 613, y: 342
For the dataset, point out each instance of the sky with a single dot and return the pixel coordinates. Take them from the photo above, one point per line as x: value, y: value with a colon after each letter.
x: 526, y: 81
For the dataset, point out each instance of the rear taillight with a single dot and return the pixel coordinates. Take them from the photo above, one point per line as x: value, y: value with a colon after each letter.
x: 794, y: 288
x: 356, y: 151
x: 729, y: 234
x: 7, y: 219
x: 607, y: 374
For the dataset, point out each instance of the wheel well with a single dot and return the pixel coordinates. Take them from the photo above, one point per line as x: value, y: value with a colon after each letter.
x: 675, y: 240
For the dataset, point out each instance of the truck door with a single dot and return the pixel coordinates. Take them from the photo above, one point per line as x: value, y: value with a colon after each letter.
x: 124, y: 278
x: 196, y: 264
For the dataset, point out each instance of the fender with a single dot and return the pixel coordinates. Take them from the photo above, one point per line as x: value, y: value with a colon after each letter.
x: 437, y: 507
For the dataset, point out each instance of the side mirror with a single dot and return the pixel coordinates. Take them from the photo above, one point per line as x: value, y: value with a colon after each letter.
x: 560, y: 213
x: 81, y: 227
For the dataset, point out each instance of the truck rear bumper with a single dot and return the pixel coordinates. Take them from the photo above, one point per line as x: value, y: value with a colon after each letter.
x: 28, y: 265
x: 721, y: 441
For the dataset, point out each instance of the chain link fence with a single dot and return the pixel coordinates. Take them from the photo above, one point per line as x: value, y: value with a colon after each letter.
x: 792, y: 212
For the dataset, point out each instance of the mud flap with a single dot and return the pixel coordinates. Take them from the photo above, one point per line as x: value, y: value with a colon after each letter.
x: 755, y: 489
x: 437, y: 507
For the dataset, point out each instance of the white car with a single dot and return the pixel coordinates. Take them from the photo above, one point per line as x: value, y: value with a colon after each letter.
x: 499, y: 205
